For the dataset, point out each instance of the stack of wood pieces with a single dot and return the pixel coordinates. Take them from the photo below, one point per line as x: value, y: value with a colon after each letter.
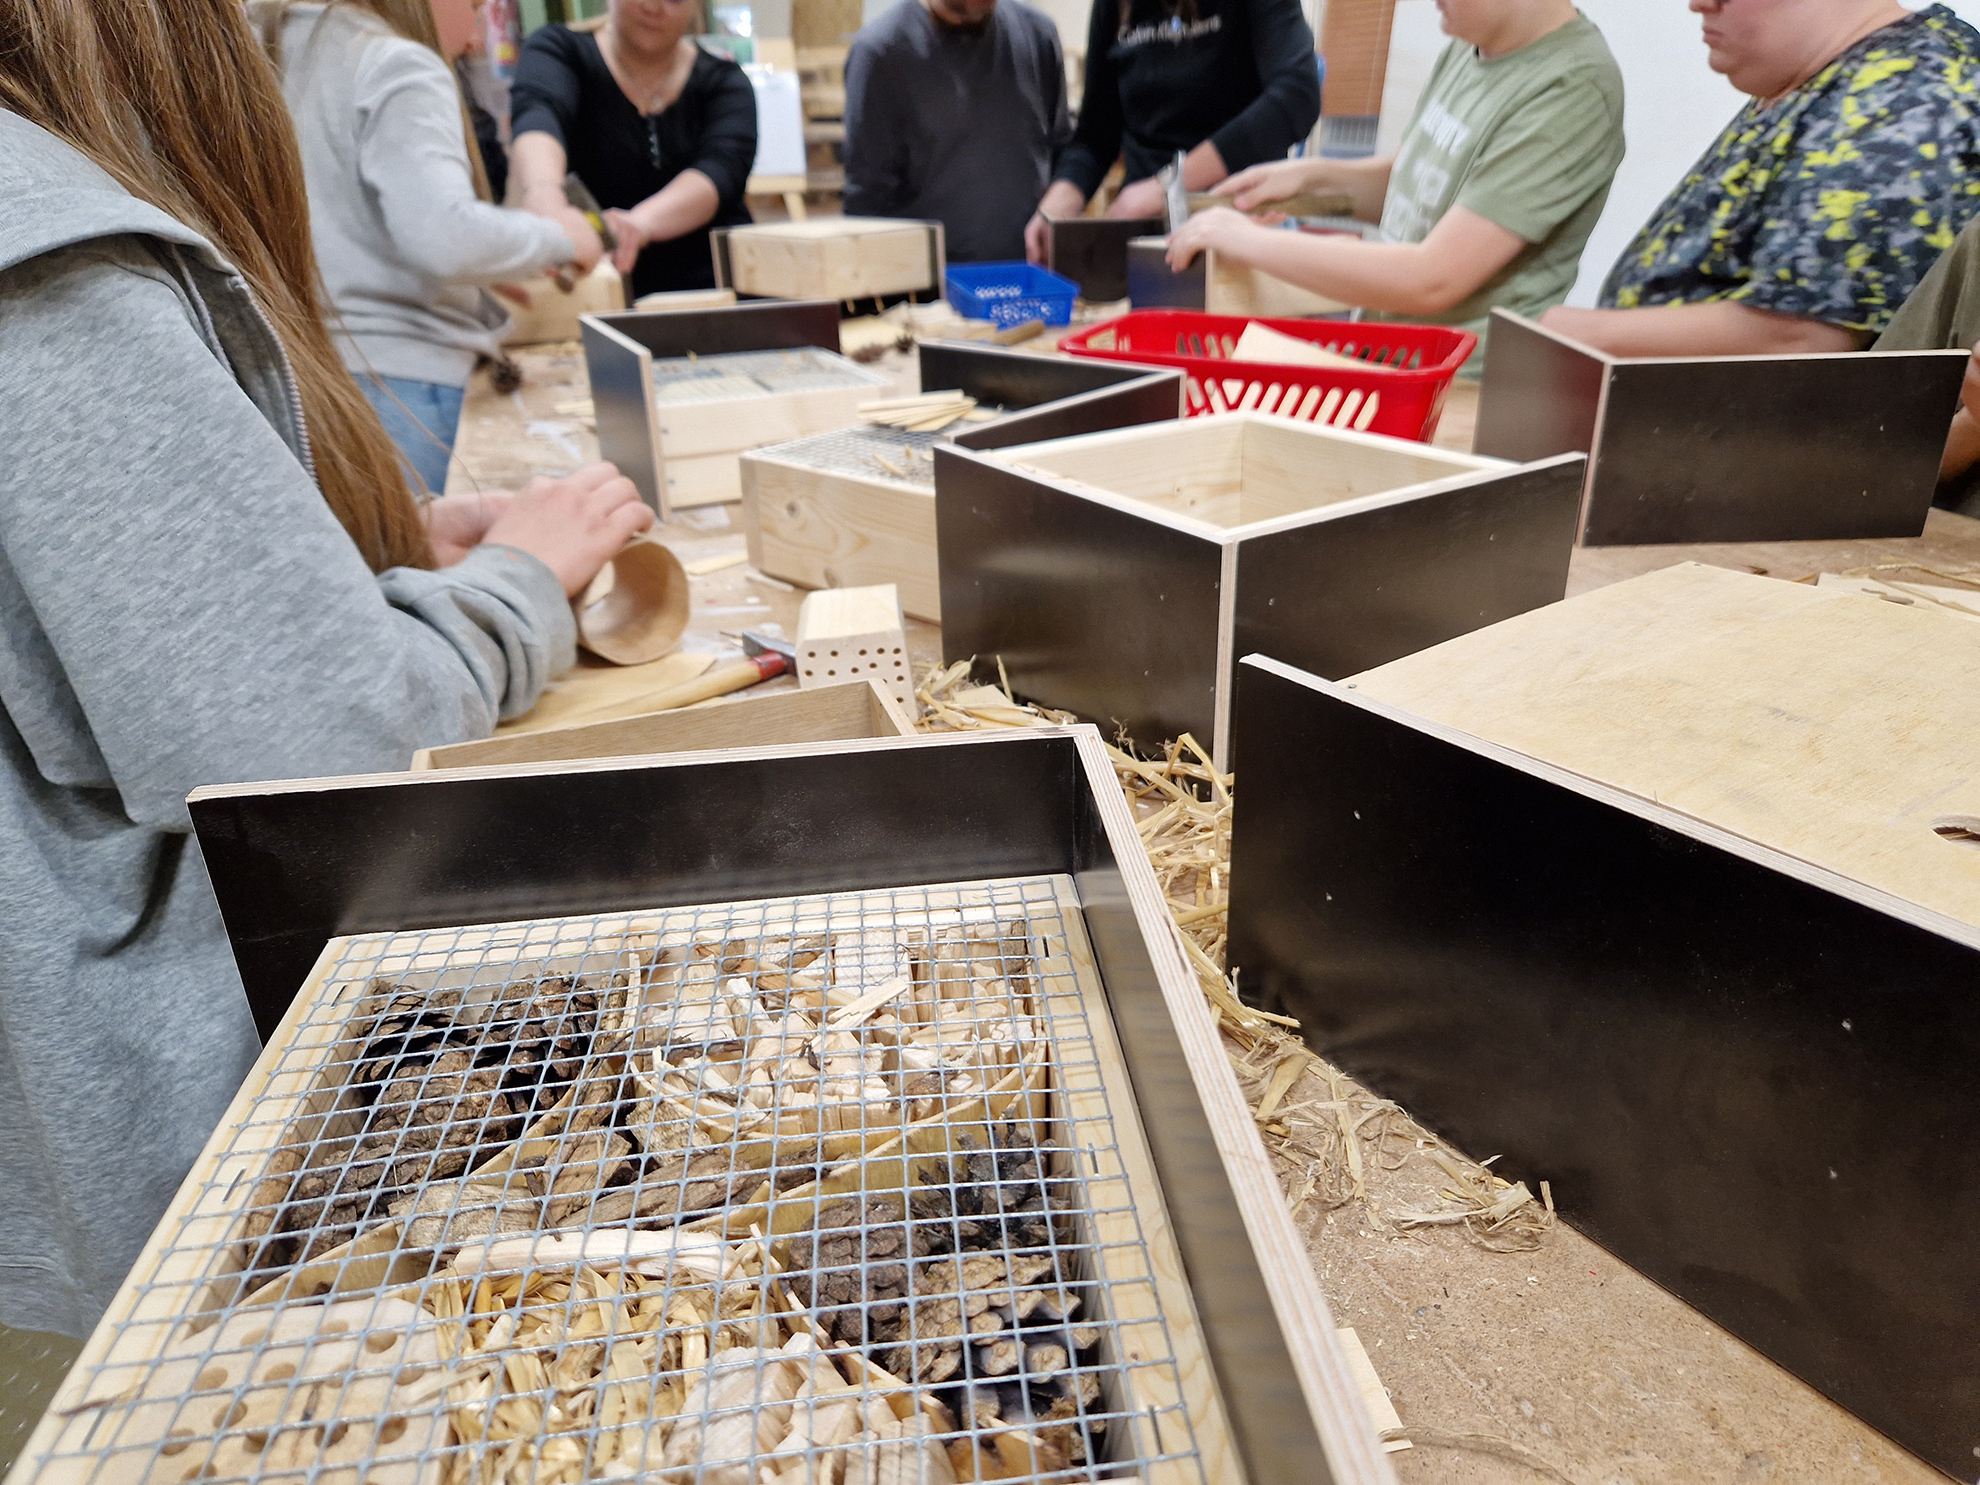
x: 928, y: 412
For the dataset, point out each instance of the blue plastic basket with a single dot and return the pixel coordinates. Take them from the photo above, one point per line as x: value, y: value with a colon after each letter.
x: 1010, y: 293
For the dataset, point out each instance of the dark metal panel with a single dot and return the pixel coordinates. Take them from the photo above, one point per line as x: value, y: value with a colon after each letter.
x: 999, y: 377
x: 1541, y: 396
x: 1092, y: 252
x: 294, y: 869
x: 1152, y: 284
x: 1147, y: 399
x: 1341, y: 596
x: 622, y: 410
x: 1760, y: 1093
x: 1105, y: 613
x: 759, y: 325
x: 1798, y: 448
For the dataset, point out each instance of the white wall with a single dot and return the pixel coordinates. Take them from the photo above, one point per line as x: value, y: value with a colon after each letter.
x: 1674, y: 105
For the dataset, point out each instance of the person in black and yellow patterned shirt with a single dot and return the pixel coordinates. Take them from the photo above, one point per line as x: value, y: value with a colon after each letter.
x: 1824, y: 202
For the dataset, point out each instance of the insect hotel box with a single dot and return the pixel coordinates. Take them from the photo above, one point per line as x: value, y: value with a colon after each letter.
x: 1092, y: 252
x: 827, y: 713
x: 1119, y: 575
x: 845, y: 632
x: 880, y: 1135
x: 677, y: 396
x: 836, y: 258
x: 1668, y: 893
x: 1725, y: 448
x: 857, y: 506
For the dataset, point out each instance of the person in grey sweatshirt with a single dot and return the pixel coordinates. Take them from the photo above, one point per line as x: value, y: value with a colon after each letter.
x: 405, y: 244
x: 179, y: 606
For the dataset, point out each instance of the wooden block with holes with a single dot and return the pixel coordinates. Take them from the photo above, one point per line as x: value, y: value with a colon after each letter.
x: 1683, y: 861
x: 834, y: 258
x: 1120, y: 575
x: 855, y: 634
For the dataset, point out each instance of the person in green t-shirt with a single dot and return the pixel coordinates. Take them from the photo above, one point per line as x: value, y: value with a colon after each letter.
x: 1500, y: 179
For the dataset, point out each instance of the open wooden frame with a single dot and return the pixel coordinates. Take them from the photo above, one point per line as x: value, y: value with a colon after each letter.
x: 686, y: 455
x: 828, y: 528
x: 1118, y: 575
x: 822, y: 714
x: 1644, y: 892
x: 365, y: 856
x: 1725, y: 448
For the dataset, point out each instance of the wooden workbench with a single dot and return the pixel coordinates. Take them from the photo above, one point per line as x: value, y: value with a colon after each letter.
x: 1558, y: 1364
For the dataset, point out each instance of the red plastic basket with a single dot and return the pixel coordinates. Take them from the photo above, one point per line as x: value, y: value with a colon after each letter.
x: 1401, y: 393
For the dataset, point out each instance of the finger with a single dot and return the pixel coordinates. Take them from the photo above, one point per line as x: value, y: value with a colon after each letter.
x: 593, y: 476
x: 626, y: 522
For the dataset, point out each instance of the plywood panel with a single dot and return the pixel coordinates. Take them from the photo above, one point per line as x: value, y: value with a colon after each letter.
x: 1292, y: 467
x: 1833, y: 727
x: 839, y: 531
x: 831, y: 258
x: 1193, y: 468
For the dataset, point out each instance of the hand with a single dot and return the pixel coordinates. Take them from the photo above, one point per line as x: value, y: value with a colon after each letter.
x: 516, y: 294
x: 631, y: 236
x: 1062, y: 200
x: 1969, y: 389
x: 586, y: 245
x: 1219, y: 229
x: 457, y: 524
x: 1261, y: 185
x: 576, y: 524
x: 1142, y: 198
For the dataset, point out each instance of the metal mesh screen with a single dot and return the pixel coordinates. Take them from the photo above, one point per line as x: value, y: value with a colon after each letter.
x: 868, y: 451
x: 818, y: 1190
x: 754, y: 373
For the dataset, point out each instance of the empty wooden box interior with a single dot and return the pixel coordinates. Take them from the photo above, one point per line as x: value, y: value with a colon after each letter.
x: 886, y: 1172
x: 1668, y: 893
x: 857, y: 506
x: 1119, y: 575
x: 824, y: 714
x: 678, y: 395
x: 836, y: 258
x: 1725, y: 448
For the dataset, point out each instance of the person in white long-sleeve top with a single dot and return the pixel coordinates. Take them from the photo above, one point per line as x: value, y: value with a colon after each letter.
x: 407, y: 244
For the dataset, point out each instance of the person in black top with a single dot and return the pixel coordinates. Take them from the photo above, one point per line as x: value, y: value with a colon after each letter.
x: 1233, y: 83
x: 661, y: 132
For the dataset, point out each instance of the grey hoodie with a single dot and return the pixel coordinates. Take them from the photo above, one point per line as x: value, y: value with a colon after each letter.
x: 400, y: 236
x: 178, y: 607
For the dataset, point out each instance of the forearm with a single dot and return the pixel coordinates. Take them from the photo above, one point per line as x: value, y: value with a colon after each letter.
x: 686, y: 202
x: 1203, y: 167
x: 1962, y: 447
x: 1393, y: 277
x: 537, y: 166
x: 1719, y: 328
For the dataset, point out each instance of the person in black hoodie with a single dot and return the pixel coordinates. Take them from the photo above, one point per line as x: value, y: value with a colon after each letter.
x: 1232, y: 83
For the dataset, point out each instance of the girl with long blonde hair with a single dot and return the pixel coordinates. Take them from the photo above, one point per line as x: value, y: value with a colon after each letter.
x: 211, y: 570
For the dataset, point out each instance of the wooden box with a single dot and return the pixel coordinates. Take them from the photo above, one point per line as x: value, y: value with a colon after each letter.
x: 1216, y: 286
x: 1725, y: 448
x: 837, y: 258
x: 857, y: 507
x: 855, y: 883
x: 855, y: 632
x: 787, y: 380
x: 823, y: 714
x: 1092, y: 252
x: 1668, y: 893
x: 552, y: 313
x: 1120, y: 575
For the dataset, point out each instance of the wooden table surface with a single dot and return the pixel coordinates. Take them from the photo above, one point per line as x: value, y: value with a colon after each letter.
x: 1559, y: 1364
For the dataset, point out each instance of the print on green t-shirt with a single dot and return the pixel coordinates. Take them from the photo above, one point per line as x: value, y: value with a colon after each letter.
x: 1530, y: 141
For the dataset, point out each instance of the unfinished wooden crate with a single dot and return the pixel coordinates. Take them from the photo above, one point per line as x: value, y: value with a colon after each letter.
x: 678, y: 395
x: 837, y: 258
x: 857, y: 506
x: 707, y: 1285
x: 1725, y: 448
x: 1686, y: 863
x: 823, y: 714
x: 553, y: 312
x: 1120, y: 575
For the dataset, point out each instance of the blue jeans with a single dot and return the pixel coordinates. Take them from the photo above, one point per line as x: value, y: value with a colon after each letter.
x: 421, y: 418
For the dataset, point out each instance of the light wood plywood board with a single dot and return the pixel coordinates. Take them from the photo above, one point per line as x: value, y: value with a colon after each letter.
x: 1833, y: 727
x: 827, y: 530
x: 831, y: 258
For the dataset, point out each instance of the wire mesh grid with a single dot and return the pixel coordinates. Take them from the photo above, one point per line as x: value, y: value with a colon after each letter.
x: 755, y: 374
x: 811, y: 1190
x: 867, y: 451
